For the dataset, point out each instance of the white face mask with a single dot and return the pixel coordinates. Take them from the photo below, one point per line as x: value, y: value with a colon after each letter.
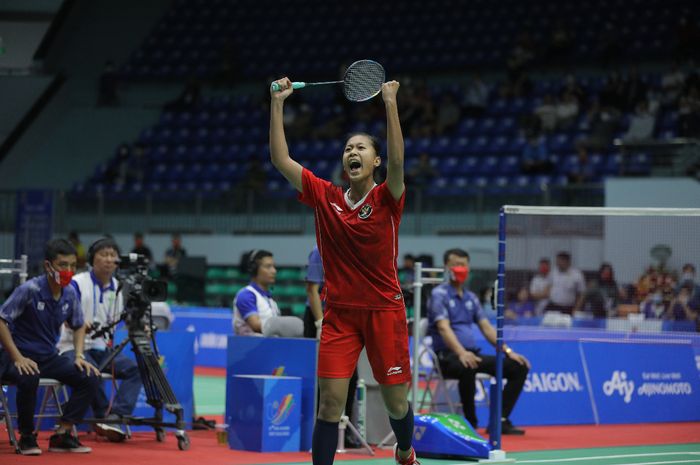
x: 688, y: 277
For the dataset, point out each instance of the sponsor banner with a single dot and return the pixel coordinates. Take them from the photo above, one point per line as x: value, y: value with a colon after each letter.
x: 212, y: 327
x: 638, y: 382
x: 555, y: 391
x: 264, y: 412
x: 250, y: 355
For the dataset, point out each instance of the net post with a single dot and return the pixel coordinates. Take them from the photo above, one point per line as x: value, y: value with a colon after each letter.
x: 497, y: 406
x: 417, y: 291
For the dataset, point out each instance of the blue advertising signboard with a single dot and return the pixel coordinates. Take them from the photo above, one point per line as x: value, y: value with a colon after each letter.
x: 250, y: 355
x: 642, y: 382
x: 263, y: 413
x: 176, y: 349
x: 555, y: 391
x: 212, y: 327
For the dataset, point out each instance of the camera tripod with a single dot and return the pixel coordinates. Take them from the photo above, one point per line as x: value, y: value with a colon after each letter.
x: 159, y: 393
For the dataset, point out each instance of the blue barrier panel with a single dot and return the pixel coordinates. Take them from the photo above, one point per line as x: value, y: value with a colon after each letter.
x: 555, y: 392
x: 263, y: 413
x: 643, y: 382
x: 212, y: 327
x: 250, y: 355
x: 176, y: 349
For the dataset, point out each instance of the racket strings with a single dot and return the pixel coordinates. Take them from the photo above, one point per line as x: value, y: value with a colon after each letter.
x: 363, y: 80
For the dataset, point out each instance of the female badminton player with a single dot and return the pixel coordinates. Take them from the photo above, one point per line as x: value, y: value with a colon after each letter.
x: 357, y: 235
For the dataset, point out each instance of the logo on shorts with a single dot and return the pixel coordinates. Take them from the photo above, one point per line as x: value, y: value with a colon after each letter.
x: 365, y: 211
x: 398, y: 296
x: 394, y: 371
x: 40, y: 306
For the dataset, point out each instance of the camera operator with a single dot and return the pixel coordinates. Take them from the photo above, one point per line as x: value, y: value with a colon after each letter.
x: 30, y: 323
x: 102, y: 305
x: 254, y: 310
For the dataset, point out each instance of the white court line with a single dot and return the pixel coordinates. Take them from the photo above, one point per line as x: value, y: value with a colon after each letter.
x: 662, y: 463
x: 623, y: 456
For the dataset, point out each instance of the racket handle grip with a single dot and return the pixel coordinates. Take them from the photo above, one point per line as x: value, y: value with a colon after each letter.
x: 295, y: 85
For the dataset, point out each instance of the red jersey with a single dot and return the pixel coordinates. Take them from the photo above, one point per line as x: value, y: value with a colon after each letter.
x: 359, y: 245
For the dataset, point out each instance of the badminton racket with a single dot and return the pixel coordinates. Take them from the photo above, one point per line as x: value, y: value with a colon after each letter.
x: 362, y: 81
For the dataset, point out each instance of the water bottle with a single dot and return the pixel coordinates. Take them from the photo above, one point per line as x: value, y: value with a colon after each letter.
x: 362, y: 408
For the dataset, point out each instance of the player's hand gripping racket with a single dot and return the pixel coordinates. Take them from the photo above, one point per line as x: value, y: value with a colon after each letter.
x: 362, y: 81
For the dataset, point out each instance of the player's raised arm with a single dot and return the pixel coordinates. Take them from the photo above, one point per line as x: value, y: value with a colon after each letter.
x: 394, y: 169
x: 279, y: 152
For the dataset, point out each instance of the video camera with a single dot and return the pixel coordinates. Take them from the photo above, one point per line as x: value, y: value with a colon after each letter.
x: 138, y: 288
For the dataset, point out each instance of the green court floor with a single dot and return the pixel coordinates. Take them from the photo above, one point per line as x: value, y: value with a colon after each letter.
x: 209, y: 395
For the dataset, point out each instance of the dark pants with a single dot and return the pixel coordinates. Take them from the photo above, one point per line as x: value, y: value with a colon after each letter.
x: 59, y: 368
x: 125, y: 370
x: 514, y: 372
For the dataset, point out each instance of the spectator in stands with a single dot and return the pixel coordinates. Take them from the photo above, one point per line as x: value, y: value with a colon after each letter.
x: 603, y: 123
x: 641, y: 124
x: 522, y: 307
x: 671, y: 85
x: 568, y: 286
x: 652, y: 307
x: 102, y: 305
x: 593, y: 302
x: 521, y: 55
x: 603, y: 294
x: 30, y: 325
x: 141, y: 248
x: 582, y: 172
x: 683, y: 307
x: 547, y: 112
x: 174, y: 253
x: 255, y: 313
x: 476, y: 97
x: 566, y: 111
x: 452, y: 312
x: 688, y: 277
x: 608, y: 287
x: 612, y: 95
x: 540, y: 285
x: 422, y: 172
x: 313, y: 318
x: 79, y: 249
x: 448, y: 113
x: 535, y: 156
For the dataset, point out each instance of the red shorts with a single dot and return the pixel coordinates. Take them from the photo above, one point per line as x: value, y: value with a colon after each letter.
x: 383, y: 333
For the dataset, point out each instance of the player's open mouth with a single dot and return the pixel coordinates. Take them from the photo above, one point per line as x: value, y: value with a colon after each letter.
x: 354, y: 166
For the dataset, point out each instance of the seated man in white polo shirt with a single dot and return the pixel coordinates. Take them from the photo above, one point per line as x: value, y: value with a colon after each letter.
x: 254, y: 310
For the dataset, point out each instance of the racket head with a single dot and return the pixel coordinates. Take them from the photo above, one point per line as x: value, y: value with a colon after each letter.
x: 363, y: 80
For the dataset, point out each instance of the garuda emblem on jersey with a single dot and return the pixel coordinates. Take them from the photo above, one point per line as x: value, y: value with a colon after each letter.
x: 365, y: 211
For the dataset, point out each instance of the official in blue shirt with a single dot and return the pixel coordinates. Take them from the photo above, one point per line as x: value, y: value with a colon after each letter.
x: 30, y: 325
x: 452, y: 311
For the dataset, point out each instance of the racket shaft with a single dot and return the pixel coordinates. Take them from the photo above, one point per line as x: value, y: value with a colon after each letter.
x: 300, y: 85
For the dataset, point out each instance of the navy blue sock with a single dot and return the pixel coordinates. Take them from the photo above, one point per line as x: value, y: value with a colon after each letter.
x: 324, y: 442
x: 403, y: 429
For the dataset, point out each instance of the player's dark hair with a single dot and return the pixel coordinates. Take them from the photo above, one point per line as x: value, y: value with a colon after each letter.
x: 456, y: 251
x: 56, y: 247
